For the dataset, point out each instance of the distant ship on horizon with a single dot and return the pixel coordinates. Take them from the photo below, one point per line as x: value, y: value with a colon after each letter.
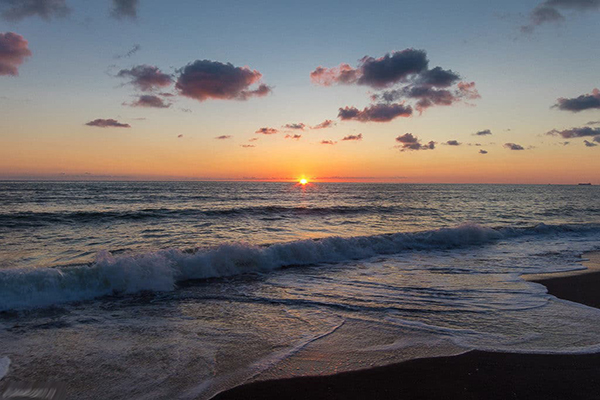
x: 585, y: 184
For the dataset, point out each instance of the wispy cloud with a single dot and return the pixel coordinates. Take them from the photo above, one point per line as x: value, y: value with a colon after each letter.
x: 267, y: 131
x: 483, y: 132
x: 16, y: 10
x: 296, y: 126
x: 150, y: 101
x: 107, y: 123
x: 124, y: 9
x: 327, y: 142
x: 375, y: 113
x: 353, y: 137
x: 513, y: 146
x: 223, y: 137
x: 294, y: 137
x: 325, y: 124
x: 146, y: 77
x: 549, y: 12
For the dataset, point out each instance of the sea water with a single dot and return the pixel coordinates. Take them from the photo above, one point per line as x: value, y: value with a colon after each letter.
x: 184, y: 289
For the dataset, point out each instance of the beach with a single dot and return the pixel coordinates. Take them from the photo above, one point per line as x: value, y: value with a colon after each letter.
x: 473, y: 375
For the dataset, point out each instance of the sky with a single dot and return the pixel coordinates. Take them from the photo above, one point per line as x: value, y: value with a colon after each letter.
x: 427, y: 91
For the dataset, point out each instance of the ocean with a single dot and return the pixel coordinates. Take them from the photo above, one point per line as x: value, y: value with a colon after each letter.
x: 183, y: 289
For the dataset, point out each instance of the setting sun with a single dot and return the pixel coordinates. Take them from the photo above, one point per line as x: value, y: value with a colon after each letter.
x: 303, y: 181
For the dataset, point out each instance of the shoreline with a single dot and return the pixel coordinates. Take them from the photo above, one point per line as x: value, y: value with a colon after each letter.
x: 472, y: 375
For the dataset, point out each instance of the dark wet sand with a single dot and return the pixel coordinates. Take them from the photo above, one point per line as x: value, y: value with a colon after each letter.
x: 473, y: 375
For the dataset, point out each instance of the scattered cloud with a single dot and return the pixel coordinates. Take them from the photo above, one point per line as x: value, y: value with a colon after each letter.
x: 513, y: 146
x: 548, y: 12
x: 483, y: 151
x: 294, y: 137
x: 483, y: 132
x: 254, y: 139
x: 375, y: 113
x: 328, y: 142
x: 353, y: 137
x: 247, y: 146
x: 408, y: 141
x: 575, y: 132
x: 134, y: 49
x: 16, y: 10
x: 589, y: 144
x: 124, y: 9
x: 453, y: 143
x: 107, y: 123
x: 180, y: 136
x: 14, y: 49
x: 298, y: 126
x: 150, y: 101
x: 146, y: 77
x: 325, y: 124
x: 204, y: 79
x: 223, y: 137
x: 580, y: 103
x: 267, y: 131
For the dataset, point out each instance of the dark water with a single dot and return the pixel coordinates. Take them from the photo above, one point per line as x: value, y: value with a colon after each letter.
x: 181, y: 290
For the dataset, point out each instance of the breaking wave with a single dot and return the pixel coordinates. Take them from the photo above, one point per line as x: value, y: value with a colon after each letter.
x: 161, y: 270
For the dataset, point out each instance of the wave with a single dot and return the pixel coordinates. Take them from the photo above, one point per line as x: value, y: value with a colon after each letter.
x: 34, y: 219
x: 161, y: 270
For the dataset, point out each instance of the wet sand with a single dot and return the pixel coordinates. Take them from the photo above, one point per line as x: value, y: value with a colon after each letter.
x: 473, y: 375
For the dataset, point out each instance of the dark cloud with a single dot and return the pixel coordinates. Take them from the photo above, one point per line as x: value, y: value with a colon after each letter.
x: 408, y: 141
x: 16, y: 10
x: 134, y: 49
x: 580, y: 103
x: 375, y: 72
x: 453, y: 143
x: 589, y: 144
x: 438, y: 77
x: 13, y: 52
x: 325, y: 124
x: 483, y: 132
x: 295, y: 137
x: 483, y: 151
x: 267, y: 131
x: 107, y: 123
x: 327, y: 142
x: 146, y: 77
x: 150, y: 101
x: 353, y: 137
x: 299, y: 126
x: 376, y: 113
x: 223, y: 137
x: 205, y: 79
x: 513, y: 146
x: 124, y: 9
x: 548, y: 11
x: 180, y: 136
x: 576, y: 132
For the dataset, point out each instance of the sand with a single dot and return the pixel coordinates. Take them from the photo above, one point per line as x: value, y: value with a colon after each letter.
x: 473, y: 375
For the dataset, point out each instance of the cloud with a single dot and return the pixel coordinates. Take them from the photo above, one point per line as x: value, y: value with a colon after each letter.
x: 267, y: 131
x: 375, y: 113
x: 593, y: 123
x: 575, y: 132
x: 548, y: 12
x: 374, y: 72
x: 327, y: 142
x: 453, y: 143
x: 254, y: 139
x: 13, y: 51
x: 513, y: 146
x: 408, y: 141
x: 146, y: 77
x: 299, y: 126
x: 150, y: 101
x: 124, y: 9
x: 294, y: 137
x: 483, y: 132
x: 580, y: 103
x: 247, y: 146
x: 438, y: 77
x: 483, y: 151
x: 16, y: 10
x: 134, y: 49
x: 589, y: 144
x: 107, y: 123
x: 325, y: 124
x: 204, y: 79
x: 223, y: 137
x: 179, y: 136
x: 353, y: 137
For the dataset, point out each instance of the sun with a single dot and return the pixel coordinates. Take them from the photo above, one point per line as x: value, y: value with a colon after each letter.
x: 303, y: 181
